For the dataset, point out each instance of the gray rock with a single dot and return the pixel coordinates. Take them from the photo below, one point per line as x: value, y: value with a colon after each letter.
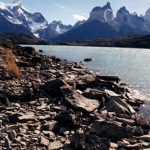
x: 12, y: 135
x: 138, y: 131
x: 109, y: 78
x: 125, y: 121
x: 95, y: 94
x: 111, y: 130
x: 27, y: 117
x: 7, y: 143
x: 89, y: 142
x: 56, y: 145
x: 79, y: 101
x: 140, y: 120
x: 44, y: 141
x: 145, y: 138
x: 49, y: 126
x: 52, y: 87
x: 119, y: 106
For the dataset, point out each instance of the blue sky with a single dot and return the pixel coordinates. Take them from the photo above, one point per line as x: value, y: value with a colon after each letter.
x: 70, y: 11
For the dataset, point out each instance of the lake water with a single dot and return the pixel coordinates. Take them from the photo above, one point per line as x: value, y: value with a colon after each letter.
x: 131, y: 64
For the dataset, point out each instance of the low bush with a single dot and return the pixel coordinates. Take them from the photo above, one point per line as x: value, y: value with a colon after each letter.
x: 11, y: 65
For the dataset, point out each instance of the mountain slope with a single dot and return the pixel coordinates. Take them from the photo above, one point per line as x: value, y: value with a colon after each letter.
x: 22, y: 38
x: 18, y: 19
x: 103, y: 24
x: 127, y: 41
x: 127, y: 23
x: 6, y: 26
x: 88, y: 30
x: 55, y: 28
x: 18, y: 15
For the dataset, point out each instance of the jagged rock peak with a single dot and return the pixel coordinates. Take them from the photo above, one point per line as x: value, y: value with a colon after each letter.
x: 107, y: 6
x: 103, y: 14
x: 123, y: 10
x: 147, y: 15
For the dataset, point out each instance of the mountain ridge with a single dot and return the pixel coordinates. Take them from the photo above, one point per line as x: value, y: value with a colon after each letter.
x: 15, y: 18
x: 123, y: 24
x: 17, y: 15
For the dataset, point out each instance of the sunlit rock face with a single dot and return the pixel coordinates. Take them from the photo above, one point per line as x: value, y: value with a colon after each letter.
x: 104, y: 14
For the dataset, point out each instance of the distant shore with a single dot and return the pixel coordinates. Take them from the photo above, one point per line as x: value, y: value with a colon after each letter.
x: 49, y: 103
x: 122, y: 42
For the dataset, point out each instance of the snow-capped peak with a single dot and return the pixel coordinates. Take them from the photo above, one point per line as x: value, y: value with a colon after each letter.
x: 2, y: 6
x: 59, y: 27
x: 10, y: 6
x: 17, y: 14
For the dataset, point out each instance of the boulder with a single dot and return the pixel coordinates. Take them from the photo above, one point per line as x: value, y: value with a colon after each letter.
x: 87, y: 59
x: 112, y: 86
x: 12, y: 135
x: 40, y: 50
x: 89, y: 141
x: 23, y: 64
x: 125, y: 121
x: 56, y: 145
x: 145, y: 138
x: 44, y: 141
x: 95, y: 94
x: 28, y: 51
x: 27, y: 94
x: 78, y: 101
x: 86, y: 81
x: 49, y: 126
x: 110, y: 130
x: 26, y: 117
x: 142, y: 121
x: 119, y: 106
x: 66, y: 119
x: 109, y: 78
x: 52, y: 87
x: 36, y: 59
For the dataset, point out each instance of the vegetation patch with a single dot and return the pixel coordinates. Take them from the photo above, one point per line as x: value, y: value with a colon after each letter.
x: 11, y: 65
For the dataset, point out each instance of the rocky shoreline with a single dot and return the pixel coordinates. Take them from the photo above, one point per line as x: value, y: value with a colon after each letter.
x: 54, y: 104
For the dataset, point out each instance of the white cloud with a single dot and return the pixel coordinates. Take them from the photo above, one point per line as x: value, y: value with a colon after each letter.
x: 79, y: 17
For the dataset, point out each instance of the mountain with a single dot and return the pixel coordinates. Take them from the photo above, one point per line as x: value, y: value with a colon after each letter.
x: 17, y: 15
x: 103, y: 14
x: 103, y: 24
x: 53, y: 29
x: 87, y: 31
x: 96, y: 26
x: 7, y: 26
x: 15, y: 18
x: 77, y: 24
x: 127, y: 23
x: 59, y: 27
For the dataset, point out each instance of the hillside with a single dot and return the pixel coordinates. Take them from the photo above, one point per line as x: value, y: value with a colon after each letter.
x: 21, y: 38
x: 128, y: 41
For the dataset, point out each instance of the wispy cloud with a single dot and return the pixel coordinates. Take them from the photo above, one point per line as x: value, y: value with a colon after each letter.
x: 79, y: 17
x: 62, y: 6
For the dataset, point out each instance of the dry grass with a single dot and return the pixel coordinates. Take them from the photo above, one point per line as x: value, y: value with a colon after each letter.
x: 11, y: 65
x: 1, y: 51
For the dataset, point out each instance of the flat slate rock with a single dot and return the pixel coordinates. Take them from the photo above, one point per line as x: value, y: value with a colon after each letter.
x: 79, y: 101
x: 108, y: 129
